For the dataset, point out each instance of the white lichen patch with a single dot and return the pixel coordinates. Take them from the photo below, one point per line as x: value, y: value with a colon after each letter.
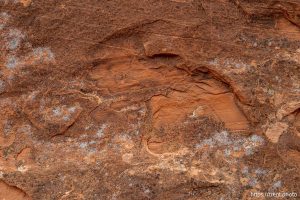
x: 2, y: 86
x: 83, y: 145
x: 22, y: 169
x: 252, y: 177
x: 100, y: 131
x: 260, y: 171
x: 4, y: 17
x: 14, y: 39
x: 122, y: 142
x: 87, y: 146
x: 277, y: 185
x: 227, y: 152
x: 245, y: 170
x: 69, y: 112
x: 63, y: 112
x: 23, y: 2
x: 222, y: 138
x: 229, y: 63
x: 232, y: 145
x: 12, y: 62
x: 124, y: 137
x: 214, y: 62
x: 43, y: 54
x: 57, y: 112
x: 72, y: 109
x: 235, y: 63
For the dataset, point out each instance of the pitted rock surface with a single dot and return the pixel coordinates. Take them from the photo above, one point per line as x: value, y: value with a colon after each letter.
x: 149, y: 99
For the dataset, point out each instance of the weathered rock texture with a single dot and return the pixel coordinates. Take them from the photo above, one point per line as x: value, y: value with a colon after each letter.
x: 149, y: 99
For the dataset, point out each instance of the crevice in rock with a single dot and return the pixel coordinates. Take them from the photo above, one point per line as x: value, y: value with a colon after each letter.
x: 164, y: 56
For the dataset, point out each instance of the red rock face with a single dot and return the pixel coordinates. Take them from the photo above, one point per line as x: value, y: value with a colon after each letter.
x: 11, y: 193
x: 174, y: 99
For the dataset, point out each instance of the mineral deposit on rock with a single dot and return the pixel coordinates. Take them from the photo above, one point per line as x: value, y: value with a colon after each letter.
x: 149, y: 99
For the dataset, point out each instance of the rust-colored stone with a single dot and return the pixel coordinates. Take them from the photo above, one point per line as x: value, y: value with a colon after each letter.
x: 173, y: 99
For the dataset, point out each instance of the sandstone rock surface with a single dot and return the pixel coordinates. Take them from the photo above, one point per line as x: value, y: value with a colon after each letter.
x: 149, y: 99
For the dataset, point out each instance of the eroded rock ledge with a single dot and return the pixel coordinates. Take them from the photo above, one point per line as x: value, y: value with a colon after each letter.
x: 177, y: 99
